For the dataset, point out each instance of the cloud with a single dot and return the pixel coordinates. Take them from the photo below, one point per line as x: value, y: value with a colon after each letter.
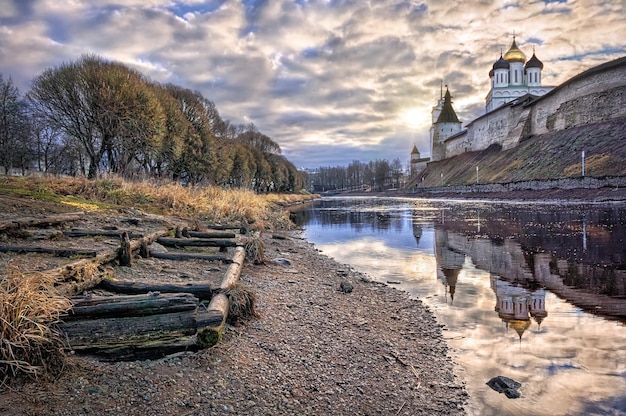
x: 329, y: 80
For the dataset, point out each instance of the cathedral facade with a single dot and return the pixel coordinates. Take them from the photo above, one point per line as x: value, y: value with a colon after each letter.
x: 512, y: 77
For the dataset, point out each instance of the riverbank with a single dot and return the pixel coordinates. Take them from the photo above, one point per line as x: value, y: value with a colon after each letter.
x: 313, y: 350
x: 592, y: 196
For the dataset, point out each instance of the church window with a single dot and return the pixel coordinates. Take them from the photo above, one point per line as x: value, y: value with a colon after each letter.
x: 515, y: 72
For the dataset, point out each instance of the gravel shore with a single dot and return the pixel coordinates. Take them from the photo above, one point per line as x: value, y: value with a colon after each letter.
x: 315, y: 349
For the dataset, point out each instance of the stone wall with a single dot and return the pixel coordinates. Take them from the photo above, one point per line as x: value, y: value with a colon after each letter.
x: 593, y: 96
x: 534, y: 185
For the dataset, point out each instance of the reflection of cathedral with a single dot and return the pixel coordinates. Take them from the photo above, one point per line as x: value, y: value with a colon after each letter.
x: 516, y: 305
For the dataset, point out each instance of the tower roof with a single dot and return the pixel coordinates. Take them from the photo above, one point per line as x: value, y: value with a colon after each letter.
x: 414, y: 151
x: 534, y: 62
x: 514, y: 54
x: 447, y: 114
x: 501, y: 64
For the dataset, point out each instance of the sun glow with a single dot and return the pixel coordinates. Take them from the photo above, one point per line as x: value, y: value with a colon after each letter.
x: 415, y: 118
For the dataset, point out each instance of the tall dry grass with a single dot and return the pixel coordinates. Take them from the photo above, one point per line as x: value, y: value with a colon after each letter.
x: 208, y: 203
x: 28, y: 309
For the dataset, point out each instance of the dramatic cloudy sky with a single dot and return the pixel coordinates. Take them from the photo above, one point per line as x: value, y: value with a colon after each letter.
x: 330, y: 80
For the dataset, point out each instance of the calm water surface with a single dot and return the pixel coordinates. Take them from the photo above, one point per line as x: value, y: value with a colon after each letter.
x: 536, y: 293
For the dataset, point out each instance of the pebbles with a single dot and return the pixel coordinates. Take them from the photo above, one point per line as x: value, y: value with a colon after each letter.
x: 314, y: 350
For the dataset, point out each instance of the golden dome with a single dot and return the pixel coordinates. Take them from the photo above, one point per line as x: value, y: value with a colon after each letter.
x: 514, y: 54
x: 519, y: 326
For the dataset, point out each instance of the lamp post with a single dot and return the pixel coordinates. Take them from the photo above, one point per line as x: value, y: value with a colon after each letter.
x: 583, y: 163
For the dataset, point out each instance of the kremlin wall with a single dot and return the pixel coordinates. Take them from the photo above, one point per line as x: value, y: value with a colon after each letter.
x: 595, y: 96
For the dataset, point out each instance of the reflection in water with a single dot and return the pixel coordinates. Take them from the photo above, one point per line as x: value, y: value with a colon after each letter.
x: 510, y: 284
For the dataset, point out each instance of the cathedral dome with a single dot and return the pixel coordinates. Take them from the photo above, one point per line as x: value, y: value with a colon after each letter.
x: 515, y: 54
x: 534, y: 62
x: 501, y: 64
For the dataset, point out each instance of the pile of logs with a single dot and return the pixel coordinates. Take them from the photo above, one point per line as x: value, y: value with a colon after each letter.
x: 140, y: 320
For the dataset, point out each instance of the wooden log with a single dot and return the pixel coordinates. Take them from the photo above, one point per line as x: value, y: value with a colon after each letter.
x: 200, y: 290
x: 190, y: 256
x: 234, y: 270
x: 40, y: 221
x: 226, y: 227
x: 114, y: 322
x: 195, y: 242
x: 81, y: 275
x: 79, y: 232
x: 211, y: 321
x: 205, y: 234
x: 87, y: 307
x: 59, y: 252
x: 105, y: 333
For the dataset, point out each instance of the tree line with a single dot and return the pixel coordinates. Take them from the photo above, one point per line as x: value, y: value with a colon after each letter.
x: 377, y: 175
x: 94, y: 116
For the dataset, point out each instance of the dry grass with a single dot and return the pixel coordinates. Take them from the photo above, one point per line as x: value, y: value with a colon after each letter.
x: 255, y: 250
x: 208, y: 203
x: 242, y: 302
x: 28, y: 308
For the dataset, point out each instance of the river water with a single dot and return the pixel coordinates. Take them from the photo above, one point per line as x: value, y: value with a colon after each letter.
x: 536, y: 293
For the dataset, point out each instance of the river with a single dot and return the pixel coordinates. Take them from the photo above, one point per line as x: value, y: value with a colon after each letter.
x: 536, y: 293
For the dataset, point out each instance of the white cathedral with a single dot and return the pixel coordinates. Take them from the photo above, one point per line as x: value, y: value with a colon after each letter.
x: 511, y: 77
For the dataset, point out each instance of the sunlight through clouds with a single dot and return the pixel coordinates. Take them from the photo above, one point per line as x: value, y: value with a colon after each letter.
x: 371, y: 70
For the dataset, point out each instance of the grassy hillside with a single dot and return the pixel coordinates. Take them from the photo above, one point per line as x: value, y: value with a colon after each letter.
x: 555, y: 155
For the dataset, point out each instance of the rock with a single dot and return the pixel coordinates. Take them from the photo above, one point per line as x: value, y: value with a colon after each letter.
x: 281, y: 261
x: 157, y: 248
x: 505, y: 385
x: 346, y: 287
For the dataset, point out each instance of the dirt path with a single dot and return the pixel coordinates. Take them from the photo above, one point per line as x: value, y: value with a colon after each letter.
x: 314, y: 350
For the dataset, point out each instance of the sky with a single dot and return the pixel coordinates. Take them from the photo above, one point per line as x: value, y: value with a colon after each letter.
x: 331, y: 81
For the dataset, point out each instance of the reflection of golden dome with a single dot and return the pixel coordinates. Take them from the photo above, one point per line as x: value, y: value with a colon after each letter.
x: 519, y: 326
x: 515, y: 54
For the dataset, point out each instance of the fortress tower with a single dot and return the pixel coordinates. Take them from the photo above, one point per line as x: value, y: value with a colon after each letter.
x: 512, y: 77
x: 447, y: 124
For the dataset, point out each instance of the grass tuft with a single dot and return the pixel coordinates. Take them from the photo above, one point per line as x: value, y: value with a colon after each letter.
x: 242, y: 301
x: 28, y: 309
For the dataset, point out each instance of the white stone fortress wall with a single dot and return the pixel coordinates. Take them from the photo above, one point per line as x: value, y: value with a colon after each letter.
x: 593, y: 96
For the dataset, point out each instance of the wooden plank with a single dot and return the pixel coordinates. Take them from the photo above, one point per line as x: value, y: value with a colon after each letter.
x: 195, y: 242
x: 90, y: 307
x: 203, y: 234
x: 76, y: 277
x: 59, y: 252
x: 81, y: 232
x: 200, y: 290
x: 190, y: 256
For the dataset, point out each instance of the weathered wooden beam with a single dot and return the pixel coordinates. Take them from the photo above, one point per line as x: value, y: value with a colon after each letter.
x: 200, y: 290
x: 124, y: 252
x: 211, y: 321
x: 89, y: 307
x: 76, y: 277
x: 59, y: 252
x: 195, y: 242
x: 234, y: 270
x: 106, y: 322
x: 81, y: 232
x: 190, y: 256
x: 40, y: 221
x: 206, y: 234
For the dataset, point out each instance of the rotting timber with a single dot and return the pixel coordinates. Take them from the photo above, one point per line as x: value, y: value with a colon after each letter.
x: 134, y: 319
